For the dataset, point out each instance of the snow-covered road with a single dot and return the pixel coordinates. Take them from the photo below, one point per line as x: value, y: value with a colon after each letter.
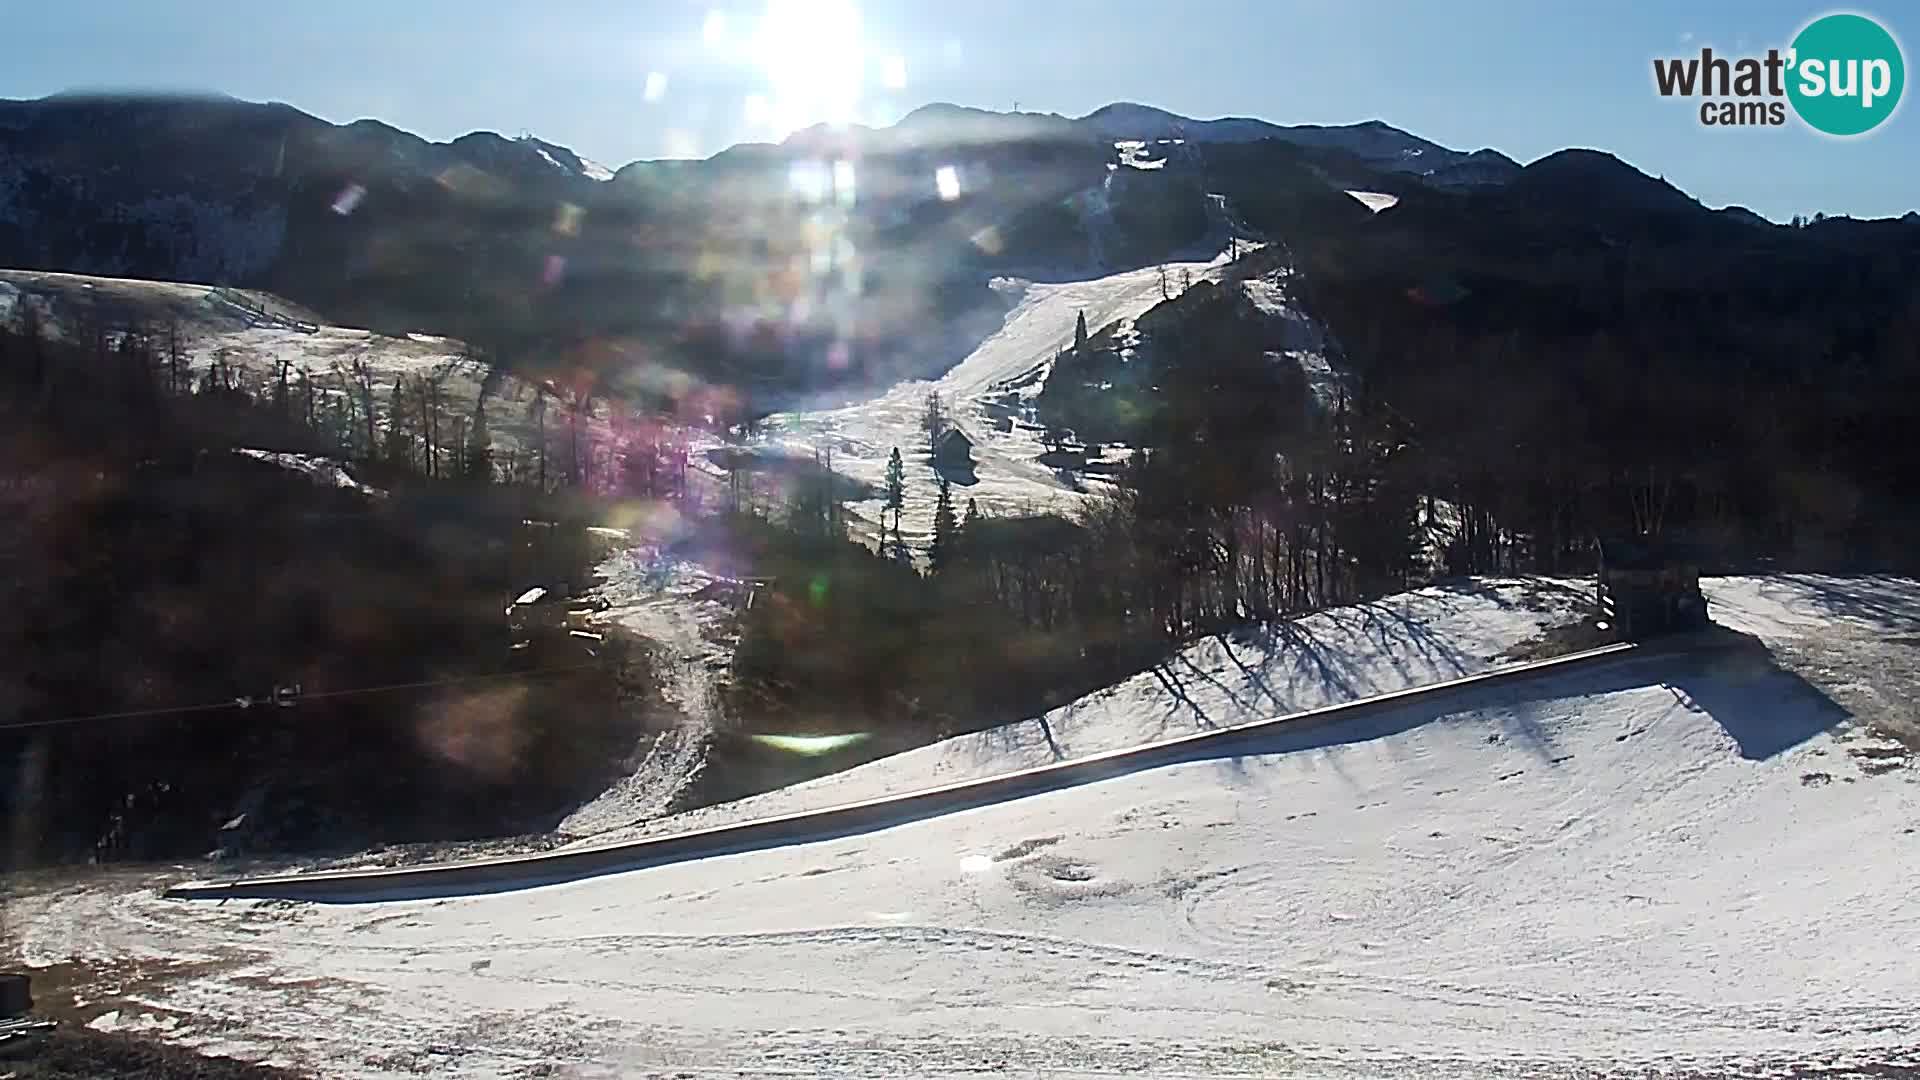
x: 1673, y: 865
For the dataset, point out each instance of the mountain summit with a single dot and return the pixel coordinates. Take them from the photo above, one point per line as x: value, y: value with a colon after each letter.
x: 1374, y: 142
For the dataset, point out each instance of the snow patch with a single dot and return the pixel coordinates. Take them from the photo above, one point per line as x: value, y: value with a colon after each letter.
x: 1375, y: 201
x: 322, y: 470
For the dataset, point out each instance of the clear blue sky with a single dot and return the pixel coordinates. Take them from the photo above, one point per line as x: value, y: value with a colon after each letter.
x: 618, y: 80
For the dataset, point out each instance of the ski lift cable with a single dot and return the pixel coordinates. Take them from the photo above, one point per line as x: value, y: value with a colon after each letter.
x: 276, y: 699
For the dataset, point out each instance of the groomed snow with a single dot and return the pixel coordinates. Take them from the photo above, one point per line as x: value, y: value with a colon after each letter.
x: 1666, y: 865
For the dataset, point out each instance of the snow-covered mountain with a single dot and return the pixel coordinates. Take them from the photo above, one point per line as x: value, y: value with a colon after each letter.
x: 220, y: 190
x: 1374, y: 142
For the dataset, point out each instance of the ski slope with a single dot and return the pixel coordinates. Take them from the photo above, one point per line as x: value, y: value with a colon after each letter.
x: 1669, y: 865
x: 1342, y: 654
x: 1009, y: 479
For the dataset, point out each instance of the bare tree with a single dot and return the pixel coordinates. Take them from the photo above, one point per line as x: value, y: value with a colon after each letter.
x: 282, y: 378
x: 306, y: 397
x: 538, y: 410
x: 360, y: 378
x: 176, y: 360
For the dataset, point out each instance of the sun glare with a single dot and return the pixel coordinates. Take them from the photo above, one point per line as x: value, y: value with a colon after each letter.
x: 814, y: 60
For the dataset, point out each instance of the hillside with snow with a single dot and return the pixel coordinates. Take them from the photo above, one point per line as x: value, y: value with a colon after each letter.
x: 987, y: 394
x: 1342, y: 654
x: 1008, y: 478
x: 1374, y: 142
x: 1672, y: 864
x: 255, y: 333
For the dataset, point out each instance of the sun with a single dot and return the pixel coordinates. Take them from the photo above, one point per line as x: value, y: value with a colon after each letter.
x: 814, y: 60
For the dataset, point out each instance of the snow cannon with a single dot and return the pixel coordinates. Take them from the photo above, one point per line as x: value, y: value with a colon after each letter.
x: 17, y: 1025
x: 1650, y: 587
x: 16, y: 995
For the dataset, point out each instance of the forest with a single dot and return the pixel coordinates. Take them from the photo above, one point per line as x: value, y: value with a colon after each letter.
x: 200, y: 638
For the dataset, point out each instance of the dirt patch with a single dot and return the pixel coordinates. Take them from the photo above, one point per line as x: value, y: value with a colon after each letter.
x: 75, y: 1053
x: 1025, y: 848
x: 415, y: 854
x: 77, y: 993
x: 1569, y: 637
x: 1876, y: 680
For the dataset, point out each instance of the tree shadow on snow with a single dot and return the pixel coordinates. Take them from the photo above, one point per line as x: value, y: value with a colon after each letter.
x: 1764, y: 708
x: 1886, y: 603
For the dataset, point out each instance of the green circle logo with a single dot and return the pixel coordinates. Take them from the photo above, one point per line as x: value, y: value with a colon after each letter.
x: 1847, y: 74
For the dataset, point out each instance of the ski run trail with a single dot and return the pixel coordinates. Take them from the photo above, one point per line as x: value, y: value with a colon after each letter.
x: 675, y: 605
x: 1693, y: 865
x: 1007, y: 477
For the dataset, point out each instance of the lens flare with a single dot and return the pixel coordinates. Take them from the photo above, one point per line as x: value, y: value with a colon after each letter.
x: 808, y: 180
x: 349, y: 199
x: 946, y: 181
x: 843, y: 183
x: 811, y: 745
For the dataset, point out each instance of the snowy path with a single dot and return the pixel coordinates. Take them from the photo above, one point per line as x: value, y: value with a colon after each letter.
x: 1040, y: 324
x: 670, y: 603
x: 1671, y: 865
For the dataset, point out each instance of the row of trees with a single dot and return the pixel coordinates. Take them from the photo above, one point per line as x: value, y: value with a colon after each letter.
x: 397, y: 423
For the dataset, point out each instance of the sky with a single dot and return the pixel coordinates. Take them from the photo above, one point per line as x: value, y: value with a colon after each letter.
x: 621, y: 81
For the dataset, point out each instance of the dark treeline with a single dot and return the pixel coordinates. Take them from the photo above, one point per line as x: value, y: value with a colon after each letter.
x: 1243, y: 496
x: 1599, y: 355
x: 154, y: 571
x: 1585, y: 353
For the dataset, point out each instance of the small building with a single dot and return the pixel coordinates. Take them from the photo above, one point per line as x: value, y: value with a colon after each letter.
x: 953, y: 450
x: 1650, y: 587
